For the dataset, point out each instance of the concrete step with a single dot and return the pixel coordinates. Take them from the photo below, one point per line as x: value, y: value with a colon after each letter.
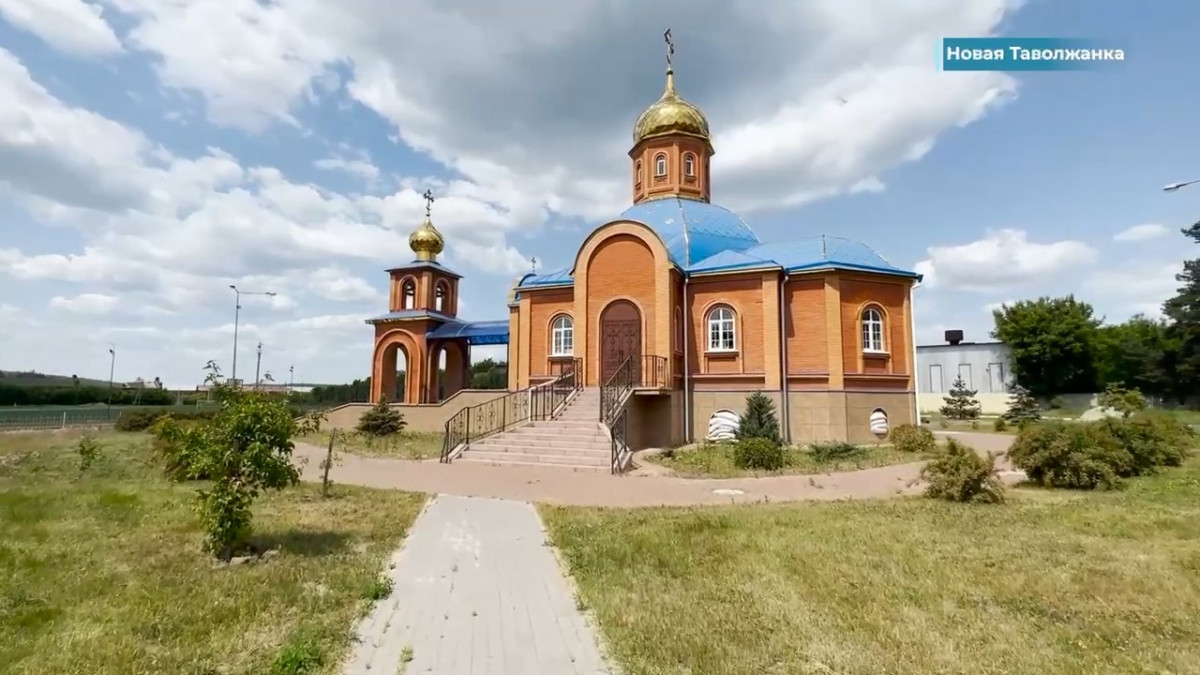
x: 546, y: 436
x: 536, y: 459
x: 564, y: 425
x: 513, y: 449
x: 549, y: 465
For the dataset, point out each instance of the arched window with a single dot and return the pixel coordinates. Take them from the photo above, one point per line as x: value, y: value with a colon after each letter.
x: 720, y: 330
x: 562, y: 337
x: 689, y: 165
x: 872, y: 330
x: 440, y: 297
x: 409, y: 292
x: 660, y: 165
x: 638, y: 175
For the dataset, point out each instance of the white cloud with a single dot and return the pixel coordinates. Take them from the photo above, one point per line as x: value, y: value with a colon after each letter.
x: 1141, y: 232
x: 358, y: 167
x: 849, y: 89
x: 72, y: 26
x: 1136, y: 288
x: 1003, y: 259
x: 93, y: 304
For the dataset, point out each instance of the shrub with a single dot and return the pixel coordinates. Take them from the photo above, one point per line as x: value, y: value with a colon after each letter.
x: 244, y: 448
x: 832, y: 452
x: 1071, y: 455
x: 961, y: 403
x: 381, y: 420
x: 759, y: 420
x: 959, y: 474
x: 178, y: 455
x: 758, y: 453
x: 1152, y: 439
x: 999, y: 424
x: 1125, y: 401
x: 144, y: 419
x: 89, y: 452
x: 913, y: 438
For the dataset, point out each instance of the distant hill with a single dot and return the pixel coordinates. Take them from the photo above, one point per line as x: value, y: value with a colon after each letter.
x: 31, y: 378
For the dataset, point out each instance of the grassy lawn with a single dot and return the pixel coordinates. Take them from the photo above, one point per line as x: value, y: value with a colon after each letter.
x: 408, y: 445
x: 104, y: 574
x: 1053, y: 582
x: 715, y: 460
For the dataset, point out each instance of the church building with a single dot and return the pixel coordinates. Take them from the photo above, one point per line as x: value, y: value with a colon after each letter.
x: 681, y: 295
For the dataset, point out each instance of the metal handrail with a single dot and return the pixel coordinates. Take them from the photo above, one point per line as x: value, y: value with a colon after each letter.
x: 540, y: 402
x: 613, y: 395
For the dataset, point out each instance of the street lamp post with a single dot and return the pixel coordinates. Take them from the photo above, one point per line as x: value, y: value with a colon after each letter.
x: 112, y: 367
x: 257, y: 363
x: 237, y: 310
x: 1175, y: 186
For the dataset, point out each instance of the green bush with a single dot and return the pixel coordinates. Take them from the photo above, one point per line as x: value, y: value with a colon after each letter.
x: 959, y: 474
x: 381, y: 420
x: 825, y: 453
x: 999, y: 424
x: 1125, y: 401
x: 913, y: 438
x: 142, y: 419
x: 759, y: 420
x: 758, y: 453
x: 1071, y: 455
x: 1153, y: 439
x: 89, y: 452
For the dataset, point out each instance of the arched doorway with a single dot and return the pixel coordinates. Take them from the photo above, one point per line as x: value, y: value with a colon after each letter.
x: 620, y: 337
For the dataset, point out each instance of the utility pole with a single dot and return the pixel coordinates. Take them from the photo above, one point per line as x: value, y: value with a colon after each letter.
x: 291, y: 377
x: 237, y: 310
x: 112, y: 367
x: 257, y: 363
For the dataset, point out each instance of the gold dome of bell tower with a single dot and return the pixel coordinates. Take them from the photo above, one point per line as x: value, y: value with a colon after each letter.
x: 671, y: 145
x: 426, y: 241
x: 670, y: 114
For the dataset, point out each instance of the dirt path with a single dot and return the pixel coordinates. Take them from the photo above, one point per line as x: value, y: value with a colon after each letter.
x: 557, y: 486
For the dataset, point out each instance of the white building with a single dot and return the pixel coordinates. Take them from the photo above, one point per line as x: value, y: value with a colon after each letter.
x: 983, y: 366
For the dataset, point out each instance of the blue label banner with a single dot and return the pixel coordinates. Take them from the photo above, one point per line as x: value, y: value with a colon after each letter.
x: 1017, y: 53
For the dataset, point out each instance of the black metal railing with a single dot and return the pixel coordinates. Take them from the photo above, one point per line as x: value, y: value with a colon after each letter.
x: 542, y: 402
x: 652, y: 372
x: 617, y: 432
x: 613, y: 395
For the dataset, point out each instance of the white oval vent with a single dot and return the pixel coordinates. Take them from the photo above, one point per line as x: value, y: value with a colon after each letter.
x: 879, y: 422
x: 723, y: 426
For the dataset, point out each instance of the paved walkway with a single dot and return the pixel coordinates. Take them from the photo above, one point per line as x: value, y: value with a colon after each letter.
x: 477, y: 592
x: 557, y: 486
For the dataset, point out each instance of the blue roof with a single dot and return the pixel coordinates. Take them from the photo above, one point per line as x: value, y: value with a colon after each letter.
x: 691, y: 229
x: 555, y: 278
x: 427, y: 264
x: 476, y: 333
x: 411, y: 314
x: 818, y: 252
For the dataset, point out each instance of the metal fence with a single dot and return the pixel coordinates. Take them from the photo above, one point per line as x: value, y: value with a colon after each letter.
x: 48, y: 418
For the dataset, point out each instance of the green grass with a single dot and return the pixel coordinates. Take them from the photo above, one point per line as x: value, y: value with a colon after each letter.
x: 104, y: 574
x: 1053, y: 582
x: 715, y: 460
x: 408, y: 445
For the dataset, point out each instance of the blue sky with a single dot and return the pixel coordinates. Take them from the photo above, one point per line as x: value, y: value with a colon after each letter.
x: 154, y: 151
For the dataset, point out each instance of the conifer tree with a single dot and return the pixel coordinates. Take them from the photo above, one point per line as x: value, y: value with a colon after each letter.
x: 1023, y: 408
x: 381, y: 420
x: 961, y: 404
x: 759, y: 420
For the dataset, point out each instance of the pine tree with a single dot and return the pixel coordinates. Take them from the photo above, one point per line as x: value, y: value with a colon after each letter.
x: 759, y: 420
x: 1183, y: 316
x: 381, y: 420
x: 961, y: 404
x: 1023, y: 408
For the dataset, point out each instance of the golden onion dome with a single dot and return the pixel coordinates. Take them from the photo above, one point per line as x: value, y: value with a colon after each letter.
x: 670, y: 114
x: 426, y: 241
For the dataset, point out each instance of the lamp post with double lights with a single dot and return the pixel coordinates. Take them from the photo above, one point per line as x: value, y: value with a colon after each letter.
x: 237, y: 310
x: 1176, y: 186
x: 112, y: 367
